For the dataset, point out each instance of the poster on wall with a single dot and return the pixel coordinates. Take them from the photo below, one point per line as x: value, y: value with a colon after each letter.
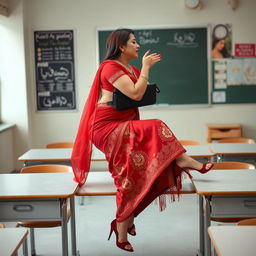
x: 221, y: 41
x: 54, y: 68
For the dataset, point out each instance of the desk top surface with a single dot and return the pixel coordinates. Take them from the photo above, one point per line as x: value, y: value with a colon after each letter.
x: 37, y: 185
x: 233, y: 240
x: 55, y: 154
x: 101, y: 183
x: 233, y: 148
x: 199, y: 151
x: 64, y: 154
x: 225, y: 182
x: 11, y: 239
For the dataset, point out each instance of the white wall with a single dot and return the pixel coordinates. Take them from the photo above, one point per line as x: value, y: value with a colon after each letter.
x: 13, y: 82
x: 84, y: 16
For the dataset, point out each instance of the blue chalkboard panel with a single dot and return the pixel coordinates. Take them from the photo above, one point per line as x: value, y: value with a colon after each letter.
x: 182, y: 75
x: 54, y: 67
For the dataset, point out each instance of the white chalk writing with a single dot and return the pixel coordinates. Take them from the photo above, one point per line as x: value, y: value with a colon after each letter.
x: 146, y: 37
x: 63, y: 73
x: 184, y: 40
x: 59, y: 100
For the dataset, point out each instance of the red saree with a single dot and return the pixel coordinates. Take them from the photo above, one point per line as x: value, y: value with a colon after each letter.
x: 140, y: 154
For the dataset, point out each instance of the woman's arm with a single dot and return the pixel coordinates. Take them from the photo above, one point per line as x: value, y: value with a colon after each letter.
x: 137, y: 90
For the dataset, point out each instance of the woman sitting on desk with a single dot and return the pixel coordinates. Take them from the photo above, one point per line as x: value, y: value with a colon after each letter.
x: 145, y: 158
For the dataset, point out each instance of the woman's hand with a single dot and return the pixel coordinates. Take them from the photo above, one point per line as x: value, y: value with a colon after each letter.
x: 150, y: 60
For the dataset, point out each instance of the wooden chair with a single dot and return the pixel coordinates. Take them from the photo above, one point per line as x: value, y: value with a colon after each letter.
x: 236, y: 140
x: 189, y: 142
x: 247, y: 222
x: 52, y: 168
x: 231, y: 166
x: 60, y: 145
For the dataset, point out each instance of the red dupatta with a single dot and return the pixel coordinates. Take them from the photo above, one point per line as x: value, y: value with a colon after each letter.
x: 82, y: 150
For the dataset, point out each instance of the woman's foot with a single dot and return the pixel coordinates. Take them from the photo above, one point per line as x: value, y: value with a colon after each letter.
x: 187, y: 162
x: 131, y: 230
x: 131, y: 227
x: 120, y: 229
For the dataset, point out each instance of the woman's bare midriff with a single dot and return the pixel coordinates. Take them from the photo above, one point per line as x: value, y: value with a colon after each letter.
x: 106, y: 96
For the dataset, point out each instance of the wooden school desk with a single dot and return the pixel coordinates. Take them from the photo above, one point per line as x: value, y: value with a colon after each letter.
x: 226, y: 193
x: 234, y: 151
x: 11, y: 239
x: 39, y: 197
x: 233, y: 240
x: 46, y: 155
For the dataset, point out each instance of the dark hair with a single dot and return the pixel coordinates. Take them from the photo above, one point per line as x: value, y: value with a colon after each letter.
x: 116, y: 39
x: 224, y: 51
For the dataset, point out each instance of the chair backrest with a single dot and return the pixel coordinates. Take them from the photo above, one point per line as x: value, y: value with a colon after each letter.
x: 60, y: 145
x: 189, y: 142
x: 46, y: 168
x: 232, y: 165
x: 2, y: 225
x: 236, y: 140
x: 249, y: 222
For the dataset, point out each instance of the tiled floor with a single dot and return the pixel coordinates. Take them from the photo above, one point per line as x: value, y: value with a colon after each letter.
x: 173, y: 232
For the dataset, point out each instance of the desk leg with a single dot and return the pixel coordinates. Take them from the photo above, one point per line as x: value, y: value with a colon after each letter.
x: 25, y: 247
x: 73, y: 226
x: 207, y: 223
x: 201, y: 227
x: 64, y: 227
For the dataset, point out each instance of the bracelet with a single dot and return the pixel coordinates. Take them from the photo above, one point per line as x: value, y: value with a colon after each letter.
x: 145, y: 77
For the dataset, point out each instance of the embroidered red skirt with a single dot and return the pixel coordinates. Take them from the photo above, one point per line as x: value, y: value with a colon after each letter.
x: 140, y: 154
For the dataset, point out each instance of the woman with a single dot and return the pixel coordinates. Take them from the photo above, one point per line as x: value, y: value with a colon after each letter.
x: 219, y: 49
x: 145, y: 159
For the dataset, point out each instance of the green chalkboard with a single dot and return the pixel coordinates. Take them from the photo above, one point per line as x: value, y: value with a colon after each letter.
x: 182, y: 75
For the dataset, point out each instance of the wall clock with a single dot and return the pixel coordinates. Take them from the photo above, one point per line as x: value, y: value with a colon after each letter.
x: 192, y: 4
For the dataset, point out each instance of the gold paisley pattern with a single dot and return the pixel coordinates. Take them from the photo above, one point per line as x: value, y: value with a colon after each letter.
x: 139, y: 159
x: 164, y: 132
x: 127, y: 184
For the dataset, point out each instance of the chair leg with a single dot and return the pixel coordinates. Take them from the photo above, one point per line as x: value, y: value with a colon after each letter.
x: 32, y: 242
x: 81, y: 200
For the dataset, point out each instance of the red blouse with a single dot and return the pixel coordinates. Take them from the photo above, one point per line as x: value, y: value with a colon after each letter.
x: 111, y: 72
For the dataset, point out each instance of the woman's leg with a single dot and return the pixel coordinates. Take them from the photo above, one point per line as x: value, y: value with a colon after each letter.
x: 185, y: 161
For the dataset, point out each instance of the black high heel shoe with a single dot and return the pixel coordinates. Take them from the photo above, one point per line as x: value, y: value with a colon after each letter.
x: 118, y: 244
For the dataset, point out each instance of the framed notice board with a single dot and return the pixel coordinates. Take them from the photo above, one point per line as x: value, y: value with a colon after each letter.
x: 183, y: 74
x: 234, y: 81
x: 54, y: 68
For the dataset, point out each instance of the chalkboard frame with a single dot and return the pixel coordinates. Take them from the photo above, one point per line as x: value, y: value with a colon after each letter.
x: 178, y: 26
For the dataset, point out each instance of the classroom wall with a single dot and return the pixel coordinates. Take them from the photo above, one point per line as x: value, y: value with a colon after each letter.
x: 13, y: 87
x: 84, y: 16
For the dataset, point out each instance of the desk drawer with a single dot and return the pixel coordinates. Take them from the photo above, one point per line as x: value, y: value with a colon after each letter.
x: 30, y: 210
x: 225, y: 133
x: 233, y: 206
